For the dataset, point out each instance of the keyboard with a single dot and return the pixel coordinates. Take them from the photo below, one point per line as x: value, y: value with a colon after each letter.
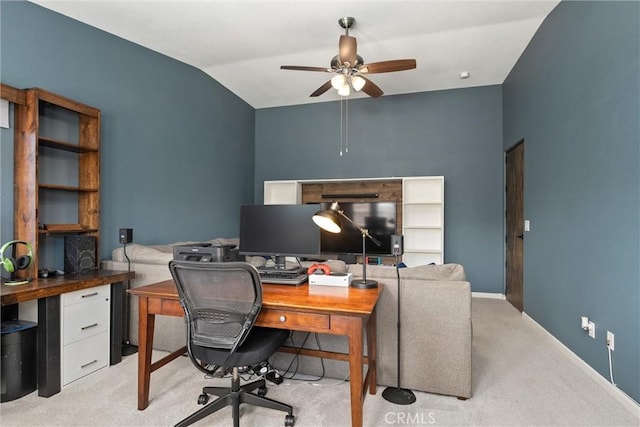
x: 283, y: 277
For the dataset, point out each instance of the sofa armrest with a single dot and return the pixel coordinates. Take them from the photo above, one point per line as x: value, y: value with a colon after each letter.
x: 436, y: 336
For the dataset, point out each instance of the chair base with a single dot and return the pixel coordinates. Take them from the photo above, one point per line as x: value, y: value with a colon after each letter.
x: 235, y: 396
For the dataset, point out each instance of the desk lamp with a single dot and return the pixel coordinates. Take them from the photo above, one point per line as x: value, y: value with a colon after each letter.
x: 329, y: 220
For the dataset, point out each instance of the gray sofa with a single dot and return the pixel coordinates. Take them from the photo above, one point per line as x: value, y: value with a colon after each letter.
x: 435, y: 334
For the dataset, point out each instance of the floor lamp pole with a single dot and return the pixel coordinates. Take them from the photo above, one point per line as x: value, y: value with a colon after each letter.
x: 127, y: 348
x: 398, y: 395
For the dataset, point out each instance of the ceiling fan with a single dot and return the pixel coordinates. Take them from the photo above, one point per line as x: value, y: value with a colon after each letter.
x: 349, y: 67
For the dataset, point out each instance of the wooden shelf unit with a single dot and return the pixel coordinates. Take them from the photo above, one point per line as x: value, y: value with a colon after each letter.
x: 39, y: 122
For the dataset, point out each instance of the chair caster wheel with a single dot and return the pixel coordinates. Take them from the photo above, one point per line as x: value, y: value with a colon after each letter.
x: 262, y: 391
x: 203, y: 399
x: 289, y: 420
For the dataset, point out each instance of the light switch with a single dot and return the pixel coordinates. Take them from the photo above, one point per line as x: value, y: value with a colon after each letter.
x: 527, y: 225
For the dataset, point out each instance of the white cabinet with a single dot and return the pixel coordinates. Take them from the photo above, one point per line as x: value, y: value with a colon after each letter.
x: 85, y: 324
x: 423, y: 220
x: 422, y: 213
x: 282, y: 192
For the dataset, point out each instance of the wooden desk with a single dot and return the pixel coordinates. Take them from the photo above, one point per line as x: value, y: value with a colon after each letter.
x: 47, y: 292
x: 334, y: 311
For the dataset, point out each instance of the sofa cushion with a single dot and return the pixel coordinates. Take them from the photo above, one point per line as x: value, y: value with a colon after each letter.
x: 441, y: 272
x: 141, y: 254
x: 447, y: 272
x: 160, y: 254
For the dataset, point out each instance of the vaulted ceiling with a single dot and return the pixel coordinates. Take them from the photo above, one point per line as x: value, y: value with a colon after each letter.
x: 242, y: 43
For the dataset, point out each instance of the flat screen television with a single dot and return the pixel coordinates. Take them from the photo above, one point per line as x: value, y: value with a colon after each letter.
x: 279, y: 231
x: 377, y: 217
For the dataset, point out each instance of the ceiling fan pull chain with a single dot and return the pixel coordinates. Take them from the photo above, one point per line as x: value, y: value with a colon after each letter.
x: 341, y: 131
x: 346, y: 125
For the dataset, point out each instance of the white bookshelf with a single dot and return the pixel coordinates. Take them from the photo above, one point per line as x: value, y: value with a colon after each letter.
x: 423, y: 220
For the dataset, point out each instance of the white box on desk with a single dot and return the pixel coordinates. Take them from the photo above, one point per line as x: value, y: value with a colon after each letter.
x: 333, y: 279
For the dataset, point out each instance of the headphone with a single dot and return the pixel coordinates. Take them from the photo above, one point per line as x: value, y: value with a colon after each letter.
x: 319, y: 267
x: 22, y: 263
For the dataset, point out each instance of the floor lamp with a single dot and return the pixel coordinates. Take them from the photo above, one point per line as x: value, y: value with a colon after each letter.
x: 329, y: 220
x: 127, y: 348
x: 398, y: 395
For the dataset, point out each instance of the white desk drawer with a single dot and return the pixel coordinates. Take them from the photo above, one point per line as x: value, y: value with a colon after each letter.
x: 84, y: 357
x: 84, y: 295
x: 85, y: 320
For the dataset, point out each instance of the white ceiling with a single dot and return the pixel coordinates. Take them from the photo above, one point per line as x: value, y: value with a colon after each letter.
x: 242, y: 43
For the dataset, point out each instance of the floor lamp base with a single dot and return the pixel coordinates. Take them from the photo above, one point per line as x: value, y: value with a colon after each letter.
x: 129, y: 349
x: 399, y: 396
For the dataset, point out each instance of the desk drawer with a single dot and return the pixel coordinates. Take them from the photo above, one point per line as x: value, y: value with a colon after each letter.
x: 84, y: 320
x: 84, y: 295
x: 84, y: 357
x: 294, y: 320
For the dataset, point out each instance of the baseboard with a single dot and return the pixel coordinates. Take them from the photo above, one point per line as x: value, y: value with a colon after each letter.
x: 487, y: 295
x: 625, y: 400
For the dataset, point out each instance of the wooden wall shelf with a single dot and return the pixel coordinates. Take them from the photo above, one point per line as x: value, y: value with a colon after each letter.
x: 79, y: 134
x: 61, y: 145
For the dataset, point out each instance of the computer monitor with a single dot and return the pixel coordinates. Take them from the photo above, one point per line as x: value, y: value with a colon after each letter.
x: 279, y: 231
x: 379, y: 218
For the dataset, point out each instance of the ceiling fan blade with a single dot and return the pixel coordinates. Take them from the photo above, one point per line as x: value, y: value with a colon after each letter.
x: 301, y: 68
x: 370, y: 88
x: 388, y: 66
x: 322, y: 89
x: 347, y: 50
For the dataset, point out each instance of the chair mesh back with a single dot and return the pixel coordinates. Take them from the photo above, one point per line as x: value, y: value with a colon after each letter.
x: 221, y: 300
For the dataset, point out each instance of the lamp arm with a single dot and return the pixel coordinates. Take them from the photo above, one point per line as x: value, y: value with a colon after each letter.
x: 362, y: 230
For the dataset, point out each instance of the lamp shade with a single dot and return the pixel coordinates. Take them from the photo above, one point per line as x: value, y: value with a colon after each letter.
x: 338, y: 81
x: 344, y: 90
x: 357, y: 82
x: 328, y: 220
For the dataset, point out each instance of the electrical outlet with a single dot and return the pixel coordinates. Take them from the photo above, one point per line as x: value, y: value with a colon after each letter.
x: 610, y: 340
x: 592, y: 330
x: 584, y: 322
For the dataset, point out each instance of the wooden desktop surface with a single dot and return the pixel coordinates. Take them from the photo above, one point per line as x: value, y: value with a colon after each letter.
x: 331, y: 310
x: 43, y: 288
x: 336, y: 299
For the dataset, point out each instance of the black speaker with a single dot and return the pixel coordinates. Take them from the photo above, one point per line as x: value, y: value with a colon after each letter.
x: 397, y: 244
x: 79, y: 254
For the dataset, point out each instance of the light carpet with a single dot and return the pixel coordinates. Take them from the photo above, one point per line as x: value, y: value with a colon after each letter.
x: 520, y: 378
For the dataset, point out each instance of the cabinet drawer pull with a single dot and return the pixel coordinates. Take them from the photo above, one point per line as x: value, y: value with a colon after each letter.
x: 90, y: 363
x: 89, y: 326
x: 283, y: 318
x: 93, y: 294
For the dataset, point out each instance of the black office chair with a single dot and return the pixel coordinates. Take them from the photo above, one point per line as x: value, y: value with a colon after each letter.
x: 221, y: 303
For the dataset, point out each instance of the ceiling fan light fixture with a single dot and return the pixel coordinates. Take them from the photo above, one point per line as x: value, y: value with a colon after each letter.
x: 358, y: 83
x: 338, y: 81
x: 345, y: 90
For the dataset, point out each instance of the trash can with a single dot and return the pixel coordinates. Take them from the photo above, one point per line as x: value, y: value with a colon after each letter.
x: 19, y: 358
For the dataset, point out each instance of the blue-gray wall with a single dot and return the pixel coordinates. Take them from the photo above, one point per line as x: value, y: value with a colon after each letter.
x: 574, y: 97
x: 177, y: 147
x: 454, y: 133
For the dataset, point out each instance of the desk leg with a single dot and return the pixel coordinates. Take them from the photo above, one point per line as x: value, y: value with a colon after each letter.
x: 146, y: 323
x: 372, y: 354
x: 49, y: 373
x: 355, y: 332
x: 115, y: 344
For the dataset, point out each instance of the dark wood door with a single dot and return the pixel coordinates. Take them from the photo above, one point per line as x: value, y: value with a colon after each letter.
x: 515, y: 225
